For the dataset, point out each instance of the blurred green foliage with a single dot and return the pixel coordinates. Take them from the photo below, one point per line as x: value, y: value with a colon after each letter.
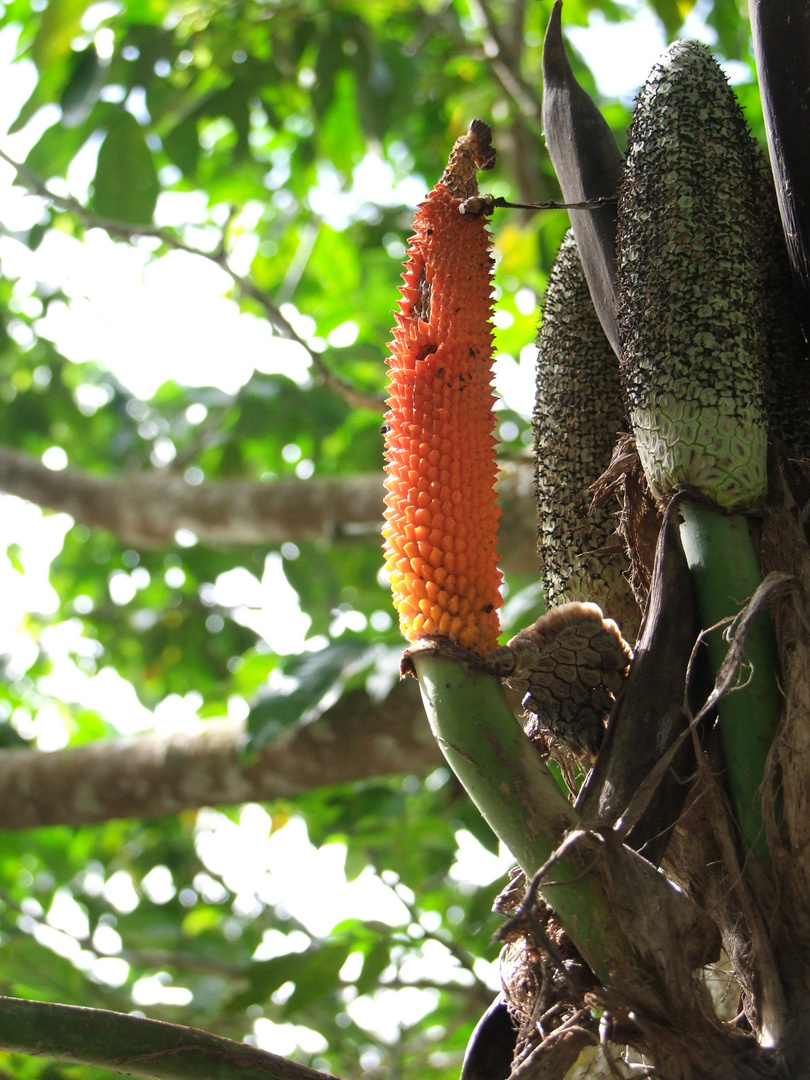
x: 268, y: 109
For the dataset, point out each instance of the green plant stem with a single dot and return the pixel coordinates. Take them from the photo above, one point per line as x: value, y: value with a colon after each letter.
x: 726, y: 573
x: 136, y: 1046
x: 519, y: 798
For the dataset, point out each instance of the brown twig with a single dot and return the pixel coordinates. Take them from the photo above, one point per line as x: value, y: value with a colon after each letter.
x: 504, y: 65
x: 484, y: 204
x: 573, y: 1026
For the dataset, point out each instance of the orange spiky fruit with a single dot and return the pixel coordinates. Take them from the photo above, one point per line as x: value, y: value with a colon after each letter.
x: 441, y: 517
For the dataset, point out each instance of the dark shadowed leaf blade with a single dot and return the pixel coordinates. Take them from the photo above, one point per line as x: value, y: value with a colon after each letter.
x: 375, y: 962
x: 316, y: 674
x: 588, y: 164
x: 316, y: 975
x: 182, y: 145
x: 781, y: 37
x: 82, y: 89
x: 672, y: 13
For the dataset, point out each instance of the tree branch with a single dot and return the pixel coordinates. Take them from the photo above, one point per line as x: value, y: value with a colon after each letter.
x: 154, y: 775
x: 219, y: 257
x: 146, y: 509
x: 137, y: 1046
x: 505, y: 66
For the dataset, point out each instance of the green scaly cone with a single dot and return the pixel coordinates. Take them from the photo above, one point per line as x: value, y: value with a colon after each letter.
x: 691, y: 252
x: 694, y: 314
x: 578, y: 414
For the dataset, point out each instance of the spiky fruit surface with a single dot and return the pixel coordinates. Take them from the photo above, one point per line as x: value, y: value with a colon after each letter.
x: 691, y: 300
x: 578, y: 414
x: 441, y: 516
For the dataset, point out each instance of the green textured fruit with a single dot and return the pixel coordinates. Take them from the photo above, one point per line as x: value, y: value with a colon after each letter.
x: 691, y: 254
x: 578, y: 413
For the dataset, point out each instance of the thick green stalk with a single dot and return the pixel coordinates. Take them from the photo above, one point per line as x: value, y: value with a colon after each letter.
x: 517, y: 795
x: 726, y: 573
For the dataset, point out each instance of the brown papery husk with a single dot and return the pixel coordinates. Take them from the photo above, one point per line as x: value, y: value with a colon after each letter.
x: 786, y: 792
x: 640, y: 518
x: 559, y: 1009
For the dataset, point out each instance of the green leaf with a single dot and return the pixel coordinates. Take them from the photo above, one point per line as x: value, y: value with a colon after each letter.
x: 36, y: 234
x: 476, y: 825
x: 732, y: 31
x: 316, y: 674
x: 13, y: 552
x: 30, y: 968
x: 316, y: 975
x: 330, y: 59
x: 125, y: 187
x: 672, y: 13
x: 56, y: 147
x: 9, y: 737
x: 59, y: 23
x: 82, y: 89
x: 147, y: 11
x: 375, y: 962
x: 339, y: 134
x: 264, y: 978
x: 182, y: 145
